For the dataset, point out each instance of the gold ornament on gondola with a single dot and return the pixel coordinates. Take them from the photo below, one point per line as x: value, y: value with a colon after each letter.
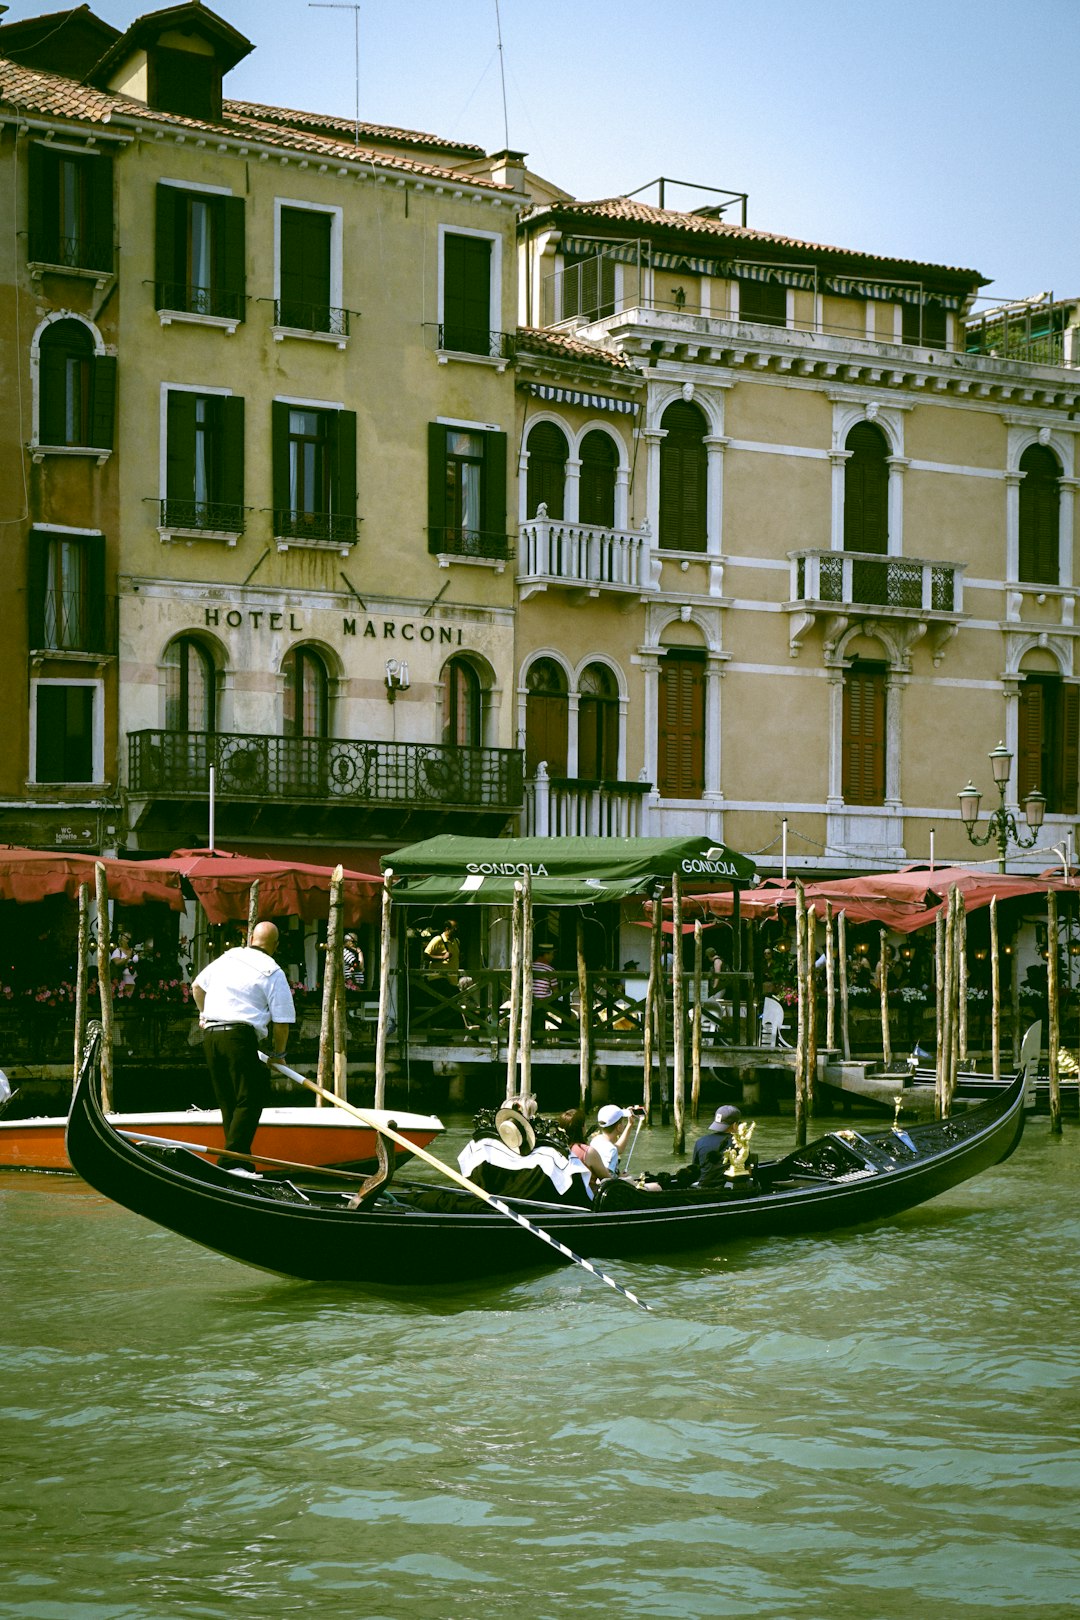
x: 736, y: 1155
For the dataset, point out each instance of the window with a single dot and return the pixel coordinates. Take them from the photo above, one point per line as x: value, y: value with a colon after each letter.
x: 185, y: 82
x: 866, y: 490
x: 547, y: 712
x: 200, y: 253
x: 548, y: 451
x: 462, y: 697
x: 65, y: 744
x: 863, y: 744
x: 683, y: 478
x: 305, y: 272
x: 923, y: 324
x: 204, y: 462
x: 76, y: 389
x: 598, y: 725
x: 190, y: 686
x: 466, y: 296
x: 588, y: 287
x: 1048, y: 731
x: 70, y: 209
x: 467, y: 492
x: 680, y: 753
x: 66, y: 593
x: 307, y: 694
x: 763, y: 301
x: 314, y: 475
x: 599, y: 464
x: 1039, y: 502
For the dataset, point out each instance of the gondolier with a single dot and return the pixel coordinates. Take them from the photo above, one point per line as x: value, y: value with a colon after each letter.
x: 243, y: 998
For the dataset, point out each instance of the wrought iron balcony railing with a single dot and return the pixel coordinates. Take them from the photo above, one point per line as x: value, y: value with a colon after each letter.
x: 328, y: 770
x: 301, y: 317
x: 460, y: 339
x: 72, y: 622
x: 84, y: 250
x: 454, y: 541
x: 223, y: 303
x: 314, y: 528
x: 220, y: 517
x: 859, y: 579
x: 579, y: 554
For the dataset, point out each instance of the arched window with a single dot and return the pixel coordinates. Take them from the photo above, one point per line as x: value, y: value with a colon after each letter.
x: 598, y: 725
x: 863, y: 743
x: 190, y: 686
x: 1048, y: 732
x: 683, y: 478
x: 307, y: 694
x: 548, y: 451
x: 866, y: 490
x: 66, y: 384
x: 599, y: 461
x: 1039, y: 502
x: 463, y: 704
x: 547, y: 709
x: 680, y: 743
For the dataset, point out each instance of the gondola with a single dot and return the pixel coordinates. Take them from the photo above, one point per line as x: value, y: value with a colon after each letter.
x: 426, y: 1235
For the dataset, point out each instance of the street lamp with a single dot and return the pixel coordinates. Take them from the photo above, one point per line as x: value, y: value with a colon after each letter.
x: 1003, y: 825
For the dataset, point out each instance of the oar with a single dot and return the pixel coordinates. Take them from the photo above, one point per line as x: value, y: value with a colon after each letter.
x: 462, y: 1181
x: 252, y: 1158
x: 633, y: 1145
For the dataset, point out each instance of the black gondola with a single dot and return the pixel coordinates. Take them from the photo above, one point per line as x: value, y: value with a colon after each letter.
x: 421, y: 1235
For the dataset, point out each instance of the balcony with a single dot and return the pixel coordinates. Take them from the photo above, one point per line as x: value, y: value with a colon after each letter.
x: 315, y: 531
x: 456, y: 544
x: 321, y: 786
x: 564, y: 807
x: 319, y: 321
x: 216, y: 306
x: 460, y: 342
x: 847, y: 584
x: 83, y: 253
x: 200, y: 520
x: 72, y: 624
x: 583, y: 558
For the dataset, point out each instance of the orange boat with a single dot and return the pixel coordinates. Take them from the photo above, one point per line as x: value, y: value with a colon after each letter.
x: 326, y: 1137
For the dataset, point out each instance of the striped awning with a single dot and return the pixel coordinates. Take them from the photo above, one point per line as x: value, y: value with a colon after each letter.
x: 585, y: 247
x: 574, y: 396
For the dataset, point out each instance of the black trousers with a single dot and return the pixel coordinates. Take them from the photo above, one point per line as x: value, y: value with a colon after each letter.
x: 241, y: 1082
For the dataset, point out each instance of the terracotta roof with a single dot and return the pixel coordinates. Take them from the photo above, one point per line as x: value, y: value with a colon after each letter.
x: 627, y: 211
x: 326, y: 123
x: 535, y: 341
x: 51, y: 95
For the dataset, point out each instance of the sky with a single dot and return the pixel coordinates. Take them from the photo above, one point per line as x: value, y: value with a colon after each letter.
x: 936, y: 130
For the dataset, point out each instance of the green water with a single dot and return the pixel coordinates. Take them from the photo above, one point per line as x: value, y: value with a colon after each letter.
x: 879, y: 1423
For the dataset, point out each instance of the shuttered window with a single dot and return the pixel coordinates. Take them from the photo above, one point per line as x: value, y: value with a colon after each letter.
x: 764, y: 302
x: 588, y: 287
x: 863, y: 766
x: 306, y: 247
x: 1039, y: 505
x: 65, y: 733
x: 923, y: 324
x: 866, y: 490
x: 466, y: 323
x: 683, y: 478
x: 70, y: 207
x: 204, y: 463
x: 548, y: 451
x: 1048, y: 742
x: 314, y: 473
x: 547, y: 711
x: 680, y: 750
x: 76, y: 389
x: 466, y: 492
x: 599, y: 463
x: 200, y: 253
x: 598, y: 725
x: 66, y: 592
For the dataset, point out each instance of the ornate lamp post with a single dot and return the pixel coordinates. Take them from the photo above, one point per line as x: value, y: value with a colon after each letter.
x: 1003, y: 825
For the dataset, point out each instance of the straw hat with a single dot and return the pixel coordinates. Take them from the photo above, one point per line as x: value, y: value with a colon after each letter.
x: 515, y: 1130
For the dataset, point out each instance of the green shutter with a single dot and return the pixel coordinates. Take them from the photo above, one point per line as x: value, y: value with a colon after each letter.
x: 41, y: 203
x: 37, y: 574
x: 546, y: 482
x: 467, y: 294
x: 494, y: 489
x: 344, y: 504
x: 52, y: 386
x: 100, y: 182
x: 232, y: 257
x: 168, y: 274
x: 306, y: 236
x: 279, y: 425
x: 436, y: 485
x: 95, y: 621
x: 232, y: 454
x: 102, y: 401
x: 1070, y: 748
x: 180, y: 445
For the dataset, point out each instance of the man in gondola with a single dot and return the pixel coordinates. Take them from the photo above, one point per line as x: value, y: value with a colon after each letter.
x: 243, y: 999
x: 710, y: 1147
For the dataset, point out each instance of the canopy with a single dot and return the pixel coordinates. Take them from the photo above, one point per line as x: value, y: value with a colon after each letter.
x: 29, y: 875
x: 222, y: 884
x: 564, y: 871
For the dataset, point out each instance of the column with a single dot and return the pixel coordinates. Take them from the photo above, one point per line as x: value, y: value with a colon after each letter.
x: 839, y: 460
x: 898, y: 466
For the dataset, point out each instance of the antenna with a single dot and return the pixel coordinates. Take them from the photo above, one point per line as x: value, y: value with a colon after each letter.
x: 502, y: 76
x: 348, y: 5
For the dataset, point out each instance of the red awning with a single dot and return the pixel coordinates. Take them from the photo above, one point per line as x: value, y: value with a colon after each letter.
x: 222, y: 884
x: 29, y: 875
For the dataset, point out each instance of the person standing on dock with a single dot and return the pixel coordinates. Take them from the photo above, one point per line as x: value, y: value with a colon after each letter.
x: 243, y: 997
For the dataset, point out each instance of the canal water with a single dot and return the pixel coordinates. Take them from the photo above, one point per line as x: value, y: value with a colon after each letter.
x: 874, y: 1424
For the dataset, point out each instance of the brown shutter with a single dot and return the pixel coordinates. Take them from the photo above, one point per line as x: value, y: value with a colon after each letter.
x: 680, y: 754
x: 1039, y: 500
x: 547, y: 710
x: 683, y: 479
x: 866, y: 491
x: 863, y: 742
x: 596, y: 498
x: 1031, y: 731
x: 1070, y: 749
x: 548, y: 451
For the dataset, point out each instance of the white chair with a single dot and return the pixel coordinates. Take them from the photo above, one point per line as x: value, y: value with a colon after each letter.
x: 772, y: 1023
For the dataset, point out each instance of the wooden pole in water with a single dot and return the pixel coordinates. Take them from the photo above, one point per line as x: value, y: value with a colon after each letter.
x: 939, y: 1011
x: 841, y: 951
x: 811, y: 1008
x: 253, y: 909
x: 513, y: 1031
x: 959, y: 916
x: 647, y: 1027
x: 384, y: 991
x: 104, y: 969
x: 678, y: 1018
x: 1054, y: 1010
x: 81, y: 963
x: 331, y: 974
x: 800, y: 1038
x: 584, y: 1018
x: 995, y: 994
x: 883, y: 986
x: 526, y: 983
x: 962, y: 979
x: 830, y: 980
x: 695, y: 1027
x: 660, y: 1018
x: 948, y: 1005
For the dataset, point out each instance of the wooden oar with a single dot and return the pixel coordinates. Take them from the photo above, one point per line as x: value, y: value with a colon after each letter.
x: 252, y: 1158
x: 455, y: 1176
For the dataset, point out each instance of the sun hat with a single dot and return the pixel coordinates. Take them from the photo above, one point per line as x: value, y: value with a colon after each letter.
x: 515, y: 1131
x: 610, y: 1114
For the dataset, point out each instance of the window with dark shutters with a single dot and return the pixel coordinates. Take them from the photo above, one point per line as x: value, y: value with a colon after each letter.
x: 599, y: 464
x: 76, y: 389
x: 200, y: 253
x: 65, y: 733
x: 863, y: 744
x: 763, y: 301
x: 466, y: 492
x: 598, y: 725
x: 1040, y: 497
x: 314, y: 473
x: 548, y: 450
x: 67, y: 605
x: 306, y: 248
x: 547, y: 712
x: 204, y: 461
x: 1048, y: 742
x: 588, y: 287
x: 923, y: 324
x: 466, y: 322
x: 683, y: 478
x: 70, y: 208
x: 680, y: 752
x: 866, y: 490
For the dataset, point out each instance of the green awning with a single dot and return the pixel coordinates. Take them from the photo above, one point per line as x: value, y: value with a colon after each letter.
x: 444, y: 889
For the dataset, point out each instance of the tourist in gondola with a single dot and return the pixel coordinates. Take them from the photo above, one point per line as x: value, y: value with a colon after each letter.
x: 573, y: 1123
x: 710, y: 1147
x: 243, y: 999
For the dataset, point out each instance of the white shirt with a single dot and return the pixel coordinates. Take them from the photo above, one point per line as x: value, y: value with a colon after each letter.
x: 608, y: 1152
x: 245, y: 986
